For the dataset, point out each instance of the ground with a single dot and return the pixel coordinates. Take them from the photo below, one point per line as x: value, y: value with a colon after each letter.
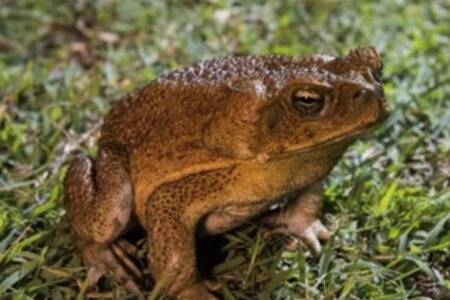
x: 62, y: 65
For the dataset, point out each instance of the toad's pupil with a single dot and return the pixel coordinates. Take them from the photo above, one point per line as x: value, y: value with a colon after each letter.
x: 306, y: 101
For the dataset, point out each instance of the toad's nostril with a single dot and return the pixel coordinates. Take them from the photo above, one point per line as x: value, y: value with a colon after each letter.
x: 362, y: 94
x: 357, y: 95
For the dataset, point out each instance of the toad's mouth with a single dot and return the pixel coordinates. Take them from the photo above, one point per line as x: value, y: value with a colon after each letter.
x: 344, y: 141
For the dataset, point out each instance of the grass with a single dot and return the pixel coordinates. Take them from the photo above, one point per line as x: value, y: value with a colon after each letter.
x: 62, y: 64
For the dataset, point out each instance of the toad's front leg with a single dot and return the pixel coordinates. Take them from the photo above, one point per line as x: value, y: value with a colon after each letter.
x: 299, y: 219
x: 171, y: 241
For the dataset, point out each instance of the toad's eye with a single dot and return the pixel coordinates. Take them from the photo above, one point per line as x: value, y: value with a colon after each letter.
x: 308, y: 103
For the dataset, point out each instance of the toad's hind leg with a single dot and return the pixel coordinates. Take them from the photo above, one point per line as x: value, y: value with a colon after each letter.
x: 98, y: 199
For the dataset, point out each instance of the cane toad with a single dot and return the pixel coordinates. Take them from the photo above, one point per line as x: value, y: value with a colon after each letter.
x: 205, y: 148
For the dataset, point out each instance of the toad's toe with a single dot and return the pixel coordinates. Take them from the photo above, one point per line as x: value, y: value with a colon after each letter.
x: 110, y: 260
x: 312, y: 234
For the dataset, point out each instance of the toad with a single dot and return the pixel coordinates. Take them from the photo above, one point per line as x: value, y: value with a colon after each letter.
x: 203, y: 149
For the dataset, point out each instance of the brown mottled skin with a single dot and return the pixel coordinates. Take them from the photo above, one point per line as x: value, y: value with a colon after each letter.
x: 205, y: 148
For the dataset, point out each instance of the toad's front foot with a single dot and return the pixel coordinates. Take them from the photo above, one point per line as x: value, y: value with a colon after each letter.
x: 299, y: 219
x: 310, y: 235
x: 110, y: 260
x: 313, y: 233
